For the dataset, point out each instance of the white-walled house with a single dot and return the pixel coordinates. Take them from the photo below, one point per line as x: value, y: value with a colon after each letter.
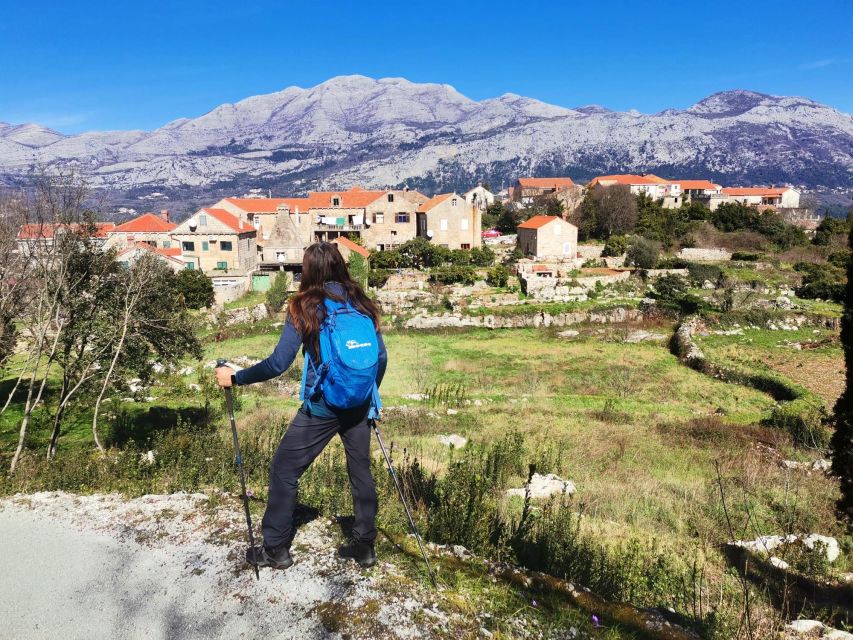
x: 480, y: 197
x: 548, y: 237
x: 779, y: 197
x: 653, y: 186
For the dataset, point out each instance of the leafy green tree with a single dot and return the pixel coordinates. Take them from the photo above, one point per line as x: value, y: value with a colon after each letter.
x: 490, y: 218
x: 482, y: 256
x: 842, y: 439
x: 498, y: 276
x: 829, y: 229
x: 278, y: 293
x: 642, y: 253
x: 358, y: 268
x: 195, y: 287
x: 607, y: 211
x: 386, y: 259
x: 615, y: 246
x: 509, y: 220
x: 656, y: 222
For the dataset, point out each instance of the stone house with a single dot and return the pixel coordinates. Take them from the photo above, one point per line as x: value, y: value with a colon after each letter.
x: 35, y: 237
x: 391, y: 219
x: 449, y: 221
x: 218, y: 243
x: 152, y: 229
x: 548, y: 237
x: 526, y: 190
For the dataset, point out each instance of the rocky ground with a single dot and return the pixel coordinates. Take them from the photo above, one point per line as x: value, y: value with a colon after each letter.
x: 169, y: 566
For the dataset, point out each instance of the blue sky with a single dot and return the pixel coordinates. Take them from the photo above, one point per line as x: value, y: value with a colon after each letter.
x: 78, y: 66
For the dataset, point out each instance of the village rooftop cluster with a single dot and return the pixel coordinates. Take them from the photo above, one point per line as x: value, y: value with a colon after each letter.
x: 241, y: 241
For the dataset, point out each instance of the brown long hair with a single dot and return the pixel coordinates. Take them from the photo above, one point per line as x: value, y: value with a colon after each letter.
x: 323, y: 263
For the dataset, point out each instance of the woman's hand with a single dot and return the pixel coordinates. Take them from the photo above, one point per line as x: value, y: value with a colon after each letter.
x: 223, y: 376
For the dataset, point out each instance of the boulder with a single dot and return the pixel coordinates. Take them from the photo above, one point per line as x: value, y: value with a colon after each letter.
x: 545, y: 486
x: 568, y: 334
x: 453, y: 440
x: 804, y: 626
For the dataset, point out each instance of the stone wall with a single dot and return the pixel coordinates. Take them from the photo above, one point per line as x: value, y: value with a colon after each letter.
x: 704, y: 255
x: 451, y: 320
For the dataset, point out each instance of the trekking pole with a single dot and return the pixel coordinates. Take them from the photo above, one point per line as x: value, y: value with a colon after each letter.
x: 399, y: 486
x: 229, y: 403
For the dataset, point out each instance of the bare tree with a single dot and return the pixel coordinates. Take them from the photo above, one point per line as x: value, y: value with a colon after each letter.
x: 46, y: 215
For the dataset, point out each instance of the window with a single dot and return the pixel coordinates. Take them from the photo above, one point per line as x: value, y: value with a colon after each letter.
x: 379, y: 218
x: 188, y: 246
x: 443, y: 224
x: 124, y: 264
x: 191, y: 266
x: 222, y: 265
x: 150, y: 243
x: 465, y: 246
x: 336, y: 202
x: 167, y: 244
x: 205, y: 245
x: 453, y: 202
x: 226, y: 245
x: 465, y: 224
x: 390, y: 197
x: 401, y: 217
x: 202, y: 220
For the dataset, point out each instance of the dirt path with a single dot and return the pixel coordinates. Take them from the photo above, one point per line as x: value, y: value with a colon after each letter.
x: 167, y: 567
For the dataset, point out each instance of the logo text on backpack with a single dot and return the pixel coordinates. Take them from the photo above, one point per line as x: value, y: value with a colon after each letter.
x: 354, y: 344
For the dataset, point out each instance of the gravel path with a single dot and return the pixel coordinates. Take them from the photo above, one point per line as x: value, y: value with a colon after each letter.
x: 168, y: 567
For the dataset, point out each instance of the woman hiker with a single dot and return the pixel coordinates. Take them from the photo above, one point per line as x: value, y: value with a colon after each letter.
x: 324, y: 278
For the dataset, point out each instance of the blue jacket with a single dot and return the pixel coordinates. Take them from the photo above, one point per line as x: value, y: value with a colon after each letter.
x: 285, y: 352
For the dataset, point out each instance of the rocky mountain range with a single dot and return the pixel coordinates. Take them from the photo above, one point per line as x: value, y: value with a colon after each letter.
x: 387, y: 132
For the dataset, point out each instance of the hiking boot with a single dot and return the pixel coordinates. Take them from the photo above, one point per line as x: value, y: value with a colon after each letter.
x: 362, y: 552
x: 275, y: 558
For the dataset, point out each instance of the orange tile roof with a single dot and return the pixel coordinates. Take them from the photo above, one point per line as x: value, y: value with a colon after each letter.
x: 171, y: 253
x: 537, y: 221
x: 627, y: 179
x: 352, y: 246
x: 43, y: 231
x: 230, y: 220
x: 432, y: 202
x: 146, y: 223
x: 269, y: 205
x: 545, y: 183
x: 755, y: 191
x: 692, y: 185
x: 355, y: 198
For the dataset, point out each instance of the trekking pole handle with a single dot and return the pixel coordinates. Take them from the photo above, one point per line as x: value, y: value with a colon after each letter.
x: 221, y: 362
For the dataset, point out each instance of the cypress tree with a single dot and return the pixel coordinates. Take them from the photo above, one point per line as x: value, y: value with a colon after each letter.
x: 842, y: 439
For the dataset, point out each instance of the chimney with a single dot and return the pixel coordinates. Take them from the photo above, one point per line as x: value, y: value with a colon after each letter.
x: 164, y: 214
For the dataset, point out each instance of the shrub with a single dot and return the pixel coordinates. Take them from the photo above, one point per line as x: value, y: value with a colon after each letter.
x: 642, y: 253
x: 746, y: 256
x: 482, y: 256
x: 195, y: 287
x: 378, y: 277
x: 699, y: 273
x: 278, y: 293
x: 498, y: 276
x: 615, y: 246
x: 453, y: 274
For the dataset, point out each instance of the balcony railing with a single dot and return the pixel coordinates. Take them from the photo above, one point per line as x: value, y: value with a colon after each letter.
x: 338, y: 227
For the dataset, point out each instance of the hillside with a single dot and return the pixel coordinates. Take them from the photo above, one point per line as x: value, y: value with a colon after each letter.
x: 389, y: 131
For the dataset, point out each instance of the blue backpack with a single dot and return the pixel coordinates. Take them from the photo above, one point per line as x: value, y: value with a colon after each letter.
x: 349, y: 352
